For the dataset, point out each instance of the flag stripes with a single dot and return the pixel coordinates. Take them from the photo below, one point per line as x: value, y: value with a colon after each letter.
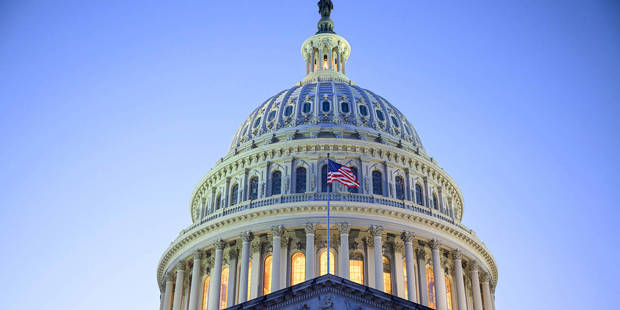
x: 341, y: 173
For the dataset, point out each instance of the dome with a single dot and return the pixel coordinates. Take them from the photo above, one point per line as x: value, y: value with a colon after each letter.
x: 328, y: 108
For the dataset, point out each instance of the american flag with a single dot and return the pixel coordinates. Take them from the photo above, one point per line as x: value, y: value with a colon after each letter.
x: 341, y: 173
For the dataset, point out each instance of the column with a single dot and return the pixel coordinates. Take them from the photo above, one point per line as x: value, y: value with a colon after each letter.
x: 399, y: 272
x: 255, y: 277
x: 310, y: 251
x: 457, y: 256
x: 440, y: 282
x: 486, y: 292
x: 275, y: 254
x: 377, y: 232
x: 407, y: 238
x: 475, y: 284
x: 178, y: 287
x: 215, y: 283
x: 194, y: 298
x: 168, y: 293
x: 330, y: 58
x: 369, y: 253
x: 246, y: 238
x: 232, y: 276
x: 344, y: 249
x: 421, y: 257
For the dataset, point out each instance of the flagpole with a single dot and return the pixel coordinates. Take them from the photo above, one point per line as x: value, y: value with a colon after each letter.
x: 326, y: 184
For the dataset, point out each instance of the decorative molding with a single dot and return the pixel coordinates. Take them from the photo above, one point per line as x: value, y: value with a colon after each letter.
x: 344, y: 228
x: 310, y: 228
x: 435, y: 245
x: 277, y: 230
x: 407, y: 236
x: 457, y: 254
x: 247, y: 236
x: 376, y: 230
x: 220, y: 244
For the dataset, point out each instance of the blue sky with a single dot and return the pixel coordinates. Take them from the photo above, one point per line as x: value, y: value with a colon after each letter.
x: 111, y: 112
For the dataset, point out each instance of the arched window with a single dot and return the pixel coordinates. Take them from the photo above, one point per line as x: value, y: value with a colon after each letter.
x: 205, y: 293
x: 218, y: 201
x: 430, y: 287
x: 405, y: 278
x: 300, y: 180
x: 418, y: 194
x: 323, y: 259
x: 224, y: 287
x: 354, y: 190
x: 276, y: 183
x: 298, y: 268
x: 387, y: 275
x: 400, y: 188
x: 324, y: 184
x: 253, y: 188
x: 234, y: 194
x: 377, y: 183
x: 249, y: 276
x: 449, y: 293
x: 267, y: 275
x: 356, y: 268
x: 435, y: 206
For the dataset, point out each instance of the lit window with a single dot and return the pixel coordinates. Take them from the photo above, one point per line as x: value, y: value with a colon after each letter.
x: 254, y: 188
x: 430, y: 287
x: 249, y: 276
x: 300, y: 180
x: 298, y: 268
x: 205, y: 293
x: 387, y: 275
x: 418, y: 194
x: 325, y: 64
x: 406, y: 286
x: 323, y: 259
x: 276, y: 181
x: 224, y: 287
x: 234, y: 194
x: 400, y: 188
x: 267, y: 275
x: 377, y: 180
x: 449, y: 293
x: 356, y: 268
x: 353, y: 189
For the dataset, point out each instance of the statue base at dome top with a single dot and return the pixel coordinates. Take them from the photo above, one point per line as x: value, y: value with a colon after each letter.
x: 321, y: 76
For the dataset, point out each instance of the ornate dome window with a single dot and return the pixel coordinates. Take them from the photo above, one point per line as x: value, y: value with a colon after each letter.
x: 400, y: 188
x: 377, y: 183
x: 254, y: 188
x: 276, y: 183
x: 307, y: 107
x: 363, y: 110
x: 395, y: 122
x: 257, y: 122
x: 300, y: 180
x: 271, y: 115
x: 288, y: 110
x: 344, y: 107
x: 380, y: 115
x: 325, y: 106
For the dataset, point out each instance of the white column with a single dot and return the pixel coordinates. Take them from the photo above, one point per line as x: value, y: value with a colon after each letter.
x: 275, y: 256
x: 399, y: 272
x: 457, y: 256
x: 309, y: 251
x: 421, y: 257
x: 194, y: 298
x: 215, y: 284
x: 408, y: 238
x: 440, y: 282
x: 344, y: 249
x: 475, y: 284
x: 370, y: 262
x: 377, y: 232
x: 246, y: 237
x: 168, y: 293
x: 232, y: 277
x: 486, y: 292
x: 178, y: 287
x: 255, y: 277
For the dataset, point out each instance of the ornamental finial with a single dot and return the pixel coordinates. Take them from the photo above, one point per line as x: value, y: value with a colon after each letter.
x: 325, y: 8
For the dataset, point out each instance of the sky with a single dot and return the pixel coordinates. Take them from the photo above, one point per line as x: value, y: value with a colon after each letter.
x: 112, y: 111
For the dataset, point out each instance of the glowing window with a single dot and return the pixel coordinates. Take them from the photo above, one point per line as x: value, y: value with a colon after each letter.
x: 324, y: 184
x: 267, y: 275
x: 418, y: 194
x: 234, y: 194
x: 323, y: 259
x: 344, y: 107
x: 363, y: 110
x: 205, y: 293
x: 377, y: 183
x: 400, y: 188
x: 449, y: 293
x: 288, y: 110
x: 326, y: 106
x: 380, y: 115
x: 298, y: 268
x: 276, y: 181
x: 307, y: 107
x: 406, y: 286
x: 257, y: 122
x: 387, y: 275
x: 249, y: 276
x: 300, y: 180
x: 254, y: 188
x: 430, y: 287
x: 356, y: 268
x: 224, y: 287
x: 353, y: 189
x: 325, y: 64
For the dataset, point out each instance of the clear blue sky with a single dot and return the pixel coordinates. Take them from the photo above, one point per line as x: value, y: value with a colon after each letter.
x: 111, y: 112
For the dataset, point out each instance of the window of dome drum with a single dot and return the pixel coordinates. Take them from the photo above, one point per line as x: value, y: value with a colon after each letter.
x: 363, y: 110
x: 300, y: 180
x: 218, y: 201
x: 224, y: 287
x: 276, y: 183
x: 435, y: 206
x: 400, y: 188
x: 395, y: 122
x: 324, y: 62
x: 353, y: 189
x: 254, y: 188
x: 324, y: 184
x: 234, y: 194
x: 380, y: 115
x: 377, y: 180
x: 288, y: 110
x: 271, y: 116
x: 418, y: 194
x: 387, y: 275
x: 267, y: 275
x: 257, y: 122
x: 344, y: 107
x: 298, y: 268
x: 307, y: 107
x: 356, y: 268
x: 326, y: 106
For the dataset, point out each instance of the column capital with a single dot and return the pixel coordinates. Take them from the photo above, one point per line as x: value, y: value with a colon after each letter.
x: 247, y: 236
x: 344, y: 228
x: 376, y: 230
x: 220, y: 244
x: 407, y: 236
x: 180, y: 266
x: 277, y: 230
x: 473, y: 267
x: 399, y: 246
x: 197, y: 255
x: 420, y: 252
x: 256, y: 246
x: 169, y: 277
x: 435, y: 244
x: 485, y: 278
x: 232, y: 253
x: 310, y: 228
x: 457, y: 254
